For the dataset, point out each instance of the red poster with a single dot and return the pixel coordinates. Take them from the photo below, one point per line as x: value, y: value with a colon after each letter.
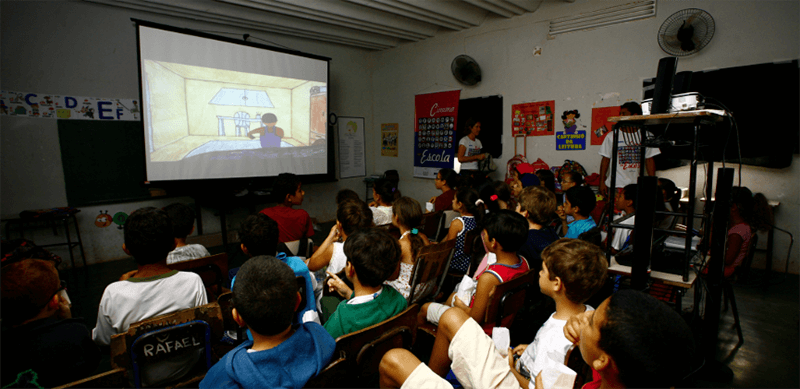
x: 533, y: 119
x: 435, y: 133
x: 600, y: 124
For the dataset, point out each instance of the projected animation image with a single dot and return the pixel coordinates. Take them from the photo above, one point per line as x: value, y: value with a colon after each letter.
x: 197, y: 112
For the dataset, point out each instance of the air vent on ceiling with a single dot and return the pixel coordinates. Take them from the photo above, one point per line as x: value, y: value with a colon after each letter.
x: 604, y: 17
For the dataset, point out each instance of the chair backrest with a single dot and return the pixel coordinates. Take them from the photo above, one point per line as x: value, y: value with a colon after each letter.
x: 507, y: 298
x: 578, y: 365
x: 184, y: 344
x: 296, y: 248
x: 116, y: 378
x: 225, y: 302
x: 213, y: 270
x: 429, y: 271
x: 364, y: 349
x: 448, y: 217
x: 744, y: 267
x: 332, y: 376
x: 121, y: 343
x: 431, y: 223
x: 473, y: 246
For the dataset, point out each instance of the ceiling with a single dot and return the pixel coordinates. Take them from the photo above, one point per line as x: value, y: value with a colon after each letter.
x: 367, y: 24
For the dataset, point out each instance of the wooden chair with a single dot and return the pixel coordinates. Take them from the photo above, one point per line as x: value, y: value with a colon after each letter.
x: 122, y: 344
x: 473, y: 247
x: 578, y: 365
x: 508, y: 298
x: 225, y: 302
x: 116, y: 378
x: 429, y: 271
x: 332, y: 376
x: 362, y: 350
x: 213, y: 270
x: 190, y: 342
x: 431, y: 224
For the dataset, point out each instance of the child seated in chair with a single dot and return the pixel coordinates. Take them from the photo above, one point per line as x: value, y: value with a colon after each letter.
x: 182, y: 218
x: 504, y: 233
x: 259, y: 236
x: 537, y: 205
x: 572, y: 271
x: 294, y: 224
x: 281, y: 355
x: 372, y: 256
x: 152, y: 289
x: 631, y: 340
x: 39, y: 333
x: 579, y: 203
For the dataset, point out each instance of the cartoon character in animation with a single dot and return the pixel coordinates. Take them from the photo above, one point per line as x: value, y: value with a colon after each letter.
x: 271, y: 134
x: 569, y: 119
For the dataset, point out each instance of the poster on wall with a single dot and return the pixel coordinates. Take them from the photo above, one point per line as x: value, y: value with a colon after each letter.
x: 533, y: 119
x: 573, y: 137
x: 389, y: 133
x: 352, y: 159
x: 600, y: 124
x: 435, y: 132
x: 47, y: 106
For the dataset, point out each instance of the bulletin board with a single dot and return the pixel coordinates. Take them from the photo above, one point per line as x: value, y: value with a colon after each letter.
x: 103, y: 161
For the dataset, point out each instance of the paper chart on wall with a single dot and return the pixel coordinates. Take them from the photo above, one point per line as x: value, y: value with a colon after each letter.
x: 389, y: 133
x: 532, y: 119
x: 48, y: 106
x: 352, y: 159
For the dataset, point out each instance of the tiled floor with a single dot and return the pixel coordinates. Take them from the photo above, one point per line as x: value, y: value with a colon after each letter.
x: 770, y: 315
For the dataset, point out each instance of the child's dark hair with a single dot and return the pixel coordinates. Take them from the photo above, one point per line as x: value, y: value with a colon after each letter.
x: 508, y: 228
x: 259, y: 234
x: 630, y: 192
x: 182, y: 218
x: 346, y: 194
x: 374, y: 255
x: 26, y: 286
x: 286, y: 184
x: 540, y: 204
x: 354, y: 215
x: 672, y: 193
x: 633, y: 107
x: 16, y: 250
x: 450, y: 177
x: 409, y: 215
x: 148, y: 235
x: 574, y: 176
x: 489, y: 196
x: 469, y: 197
x: 502, y: 190
x: 547, y: 178
x: 583, y: 198
x: 742, y: 197
x: 393, y: 176
x: 649, y: 342
x: 387, y: 190
x: 581, y: 266
x: 265, y: 294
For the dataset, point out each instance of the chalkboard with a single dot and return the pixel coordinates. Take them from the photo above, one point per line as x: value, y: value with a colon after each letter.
x: 103, y: 161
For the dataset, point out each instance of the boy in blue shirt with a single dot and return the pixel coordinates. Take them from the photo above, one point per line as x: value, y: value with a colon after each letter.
x: 281, y: 355
x: 579, y: 203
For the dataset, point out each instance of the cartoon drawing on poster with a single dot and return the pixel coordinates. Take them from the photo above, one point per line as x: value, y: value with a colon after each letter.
x: 600, y: 124
x: 389, y: 133
x: 37, y: 105
x: 533, y: 119
x: 103, y: 219
x: 571, y: 138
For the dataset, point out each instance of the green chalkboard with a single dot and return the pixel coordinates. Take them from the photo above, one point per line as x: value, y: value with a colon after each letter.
x: 103, y: 161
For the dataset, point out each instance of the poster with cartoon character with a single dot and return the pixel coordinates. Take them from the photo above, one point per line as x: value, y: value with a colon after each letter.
x: 600, y: 124
x: 39, y: 105
x: 573, y: 137
x: 533, y: 119
x: 389, y: 133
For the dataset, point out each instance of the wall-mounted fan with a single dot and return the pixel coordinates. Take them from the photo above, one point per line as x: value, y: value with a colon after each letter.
x: 466, y: 70
x: 686, y: 32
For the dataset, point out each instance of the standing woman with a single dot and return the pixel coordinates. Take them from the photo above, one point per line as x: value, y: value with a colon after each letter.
x: 469, y: 149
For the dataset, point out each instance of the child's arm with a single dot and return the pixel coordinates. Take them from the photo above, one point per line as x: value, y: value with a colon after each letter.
x: 524, y: 383
x: 323, y: 255
x: 455, y: 228
x: 486, y: 283
x: 572, y: 330
x: 336, y: 284
x: 563, y: 216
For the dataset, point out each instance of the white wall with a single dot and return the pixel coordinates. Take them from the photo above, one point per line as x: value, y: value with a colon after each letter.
x: 84, y: 49
x: 582, y: 70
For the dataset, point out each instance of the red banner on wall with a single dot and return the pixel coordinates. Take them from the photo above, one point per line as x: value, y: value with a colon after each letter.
x: 600, y: 124
x: 435, y: 140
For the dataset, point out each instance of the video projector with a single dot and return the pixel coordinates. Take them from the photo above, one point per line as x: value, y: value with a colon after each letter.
x: 678, y: 103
